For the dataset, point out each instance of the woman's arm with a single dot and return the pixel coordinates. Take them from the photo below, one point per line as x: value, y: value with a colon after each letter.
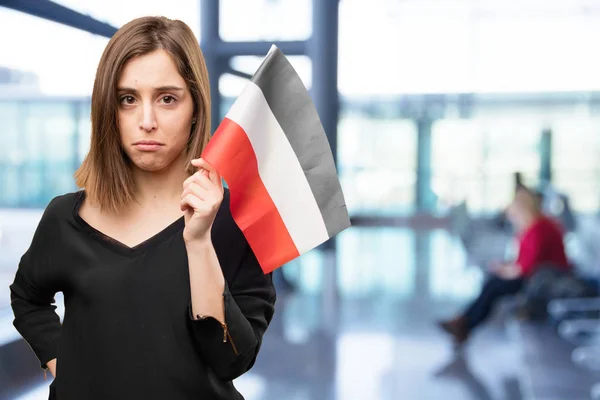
x: 229, y: 322
x: 32, y: 292
x: 35, y: 316
x: 207, y: 283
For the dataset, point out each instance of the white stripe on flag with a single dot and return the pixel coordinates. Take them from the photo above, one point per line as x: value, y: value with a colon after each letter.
x: 279, y: 169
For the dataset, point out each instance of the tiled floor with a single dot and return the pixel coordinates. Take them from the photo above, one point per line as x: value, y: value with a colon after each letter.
x: 360, y: 326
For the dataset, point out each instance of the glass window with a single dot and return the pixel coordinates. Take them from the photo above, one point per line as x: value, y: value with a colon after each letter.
x: 253, y: 20
x: 44, y: 92
x: 486, y: 46
x: 358, y: 251
x: 62, y: 61
x: 457, y: 158
x: 377, y: 164
x: 450, y: 277
x: 511, y: 145
x: 83, y: 116
x: 576, y: 161
x: 40, y: 151
x: 10, y: 155
x: 475, y: 159
x: 369, y: 64
x: 369, y: 264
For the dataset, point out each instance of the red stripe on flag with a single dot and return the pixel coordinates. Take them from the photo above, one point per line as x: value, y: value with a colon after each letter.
x: 252, y: 208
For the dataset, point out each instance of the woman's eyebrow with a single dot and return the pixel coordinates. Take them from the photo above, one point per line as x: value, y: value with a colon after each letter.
x: 169, y: 88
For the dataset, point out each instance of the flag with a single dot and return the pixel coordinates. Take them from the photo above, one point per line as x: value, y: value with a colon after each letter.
x: 272, y: 151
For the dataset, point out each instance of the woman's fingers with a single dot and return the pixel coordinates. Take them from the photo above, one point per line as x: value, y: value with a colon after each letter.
x: 207, y: 198
x: 213, y: 175
x: 201, y: 179
x: 190, y: 201
x: 202, y: 191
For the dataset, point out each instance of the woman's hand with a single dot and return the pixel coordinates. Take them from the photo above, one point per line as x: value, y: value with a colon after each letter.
x: 508, y: 271
x: 52, y: 367
x: 201, y: 198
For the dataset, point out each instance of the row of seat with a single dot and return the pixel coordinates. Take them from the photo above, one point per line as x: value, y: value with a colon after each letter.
x: 561, y: 356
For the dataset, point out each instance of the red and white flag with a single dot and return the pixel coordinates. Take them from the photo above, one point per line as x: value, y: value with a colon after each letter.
x: 272, y: 151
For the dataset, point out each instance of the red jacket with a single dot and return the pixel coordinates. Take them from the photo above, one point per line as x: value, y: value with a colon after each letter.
x: 541, y: 243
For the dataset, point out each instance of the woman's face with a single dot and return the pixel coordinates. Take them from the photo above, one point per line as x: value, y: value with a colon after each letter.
x: 521, y: 210
x: 155, y: 111
x: 514, y: 213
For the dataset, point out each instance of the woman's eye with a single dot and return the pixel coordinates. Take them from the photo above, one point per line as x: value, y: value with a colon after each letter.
x: 127, y: 100
x: 168, y: 99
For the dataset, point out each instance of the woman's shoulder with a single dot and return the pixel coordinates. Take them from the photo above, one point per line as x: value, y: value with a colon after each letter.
x: 61, y: 206
x: 59, y: 211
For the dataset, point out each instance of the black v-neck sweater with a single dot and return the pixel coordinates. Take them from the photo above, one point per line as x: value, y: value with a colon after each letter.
x: 127, y: 331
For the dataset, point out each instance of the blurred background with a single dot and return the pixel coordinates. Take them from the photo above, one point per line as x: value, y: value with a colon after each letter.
x: 431, y: 107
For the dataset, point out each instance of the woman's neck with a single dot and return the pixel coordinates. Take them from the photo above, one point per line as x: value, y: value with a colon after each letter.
x: 529, y: 220
x: 160, y: 189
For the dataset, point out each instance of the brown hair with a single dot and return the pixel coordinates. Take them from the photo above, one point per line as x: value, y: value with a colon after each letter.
x: 529, y: 199
x: 106, y: 171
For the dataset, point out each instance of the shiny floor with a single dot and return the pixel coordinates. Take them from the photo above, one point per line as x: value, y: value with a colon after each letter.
x: 360, y: 324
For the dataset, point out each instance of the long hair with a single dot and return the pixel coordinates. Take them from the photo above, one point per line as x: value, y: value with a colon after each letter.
x: 106, y: 172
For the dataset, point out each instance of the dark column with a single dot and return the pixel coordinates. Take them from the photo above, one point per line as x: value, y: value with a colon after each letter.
x: 424, y: 194
x: 209, y: 42
x: 52, y: 11
x: 546, y: 156
x: 322, y: 48
x: 423, y: 265
x: 323, y: 51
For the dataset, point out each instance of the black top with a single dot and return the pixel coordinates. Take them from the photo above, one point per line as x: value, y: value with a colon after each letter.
x: 127, y: 331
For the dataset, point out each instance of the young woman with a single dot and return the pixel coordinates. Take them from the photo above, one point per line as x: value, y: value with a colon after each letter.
x: 540, y: 243
x: 164, y: 298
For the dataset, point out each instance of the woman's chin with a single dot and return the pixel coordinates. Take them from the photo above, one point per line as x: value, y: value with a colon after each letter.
x: 150, y: 164
x: 156, y: 161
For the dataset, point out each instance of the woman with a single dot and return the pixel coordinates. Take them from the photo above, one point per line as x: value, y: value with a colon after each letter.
x: 164, y: 298
x: 540, y: 242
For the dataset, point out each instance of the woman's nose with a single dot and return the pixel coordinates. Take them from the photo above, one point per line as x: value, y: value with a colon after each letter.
x: 148, y: 122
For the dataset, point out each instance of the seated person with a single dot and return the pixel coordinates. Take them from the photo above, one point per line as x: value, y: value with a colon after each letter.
x: 540, y: 242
